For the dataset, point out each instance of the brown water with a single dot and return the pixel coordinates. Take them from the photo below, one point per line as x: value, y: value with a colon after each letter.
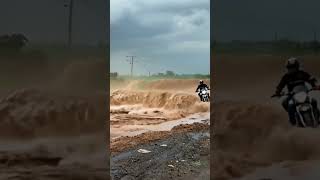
x: 136, y: 129
x: 252, y: 132
x: 142, y: 106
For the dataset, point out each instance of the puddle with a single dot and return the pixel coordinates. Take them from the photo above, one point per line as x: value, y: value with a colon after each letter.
x: 198, y: 136
x: 133, y: 130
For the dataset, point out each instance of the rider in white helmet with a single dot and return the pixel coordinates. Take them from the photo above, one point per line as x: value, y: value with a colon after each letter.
x: 294, y: 76
x: 201, y: 86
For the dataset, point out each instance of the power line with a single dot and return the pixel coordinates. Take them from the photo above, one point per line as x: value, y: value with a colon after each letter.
x: 145, y: 66
x: 70, y: 20
x: 131, y: 61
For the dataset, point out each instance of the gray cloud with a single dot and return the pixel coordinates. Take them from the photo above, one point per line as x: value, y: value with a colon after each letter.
x: 260, y: 19
x: 164, y: 35
x: 46, y: 20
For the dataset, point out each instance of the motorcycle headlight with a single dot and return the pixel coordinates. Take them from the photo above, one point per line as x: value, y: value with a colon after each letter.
x: 204, y: 92
x: 300, y: 97
x: 305, y: 108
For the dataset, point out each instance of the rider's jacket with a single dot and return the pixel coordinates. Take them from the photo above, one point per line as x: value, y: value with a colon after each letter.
x: 295, y: 78
x: 201, y: 86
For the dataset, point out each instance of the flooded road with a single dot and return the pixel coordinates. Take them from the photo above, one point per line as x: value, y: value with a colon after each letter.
x: 151, y: 123
x: 159, y: 130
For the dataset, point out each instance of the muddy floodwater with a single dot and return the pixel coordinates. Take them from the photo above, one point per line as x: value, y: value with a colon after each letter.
x: 159, y: 131
x: 146, y: 123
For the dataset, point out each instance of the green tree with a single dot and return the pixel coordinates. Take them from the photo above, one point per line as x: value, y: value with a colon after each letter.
x: 170, y: 73
x: 13, y: 42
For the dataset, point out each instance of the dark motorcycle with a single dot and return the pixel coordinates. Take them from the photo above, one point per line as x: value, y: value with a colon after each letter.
x: 305, y: 114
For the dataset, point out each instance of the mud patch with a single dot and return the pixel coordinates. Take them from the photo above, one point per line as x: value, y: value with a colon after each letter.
x: 185, y: 156
x: 123, y: 143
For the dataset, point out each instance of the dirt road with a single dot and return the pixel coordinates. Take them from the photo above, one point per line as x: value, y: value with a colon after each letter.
x: 176, y: 154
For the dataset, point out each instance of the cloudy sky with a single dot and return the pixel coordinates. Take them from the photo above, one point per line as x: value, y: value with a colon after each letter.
x: 46, y: 21
x: 260, y: 19
x: 163, y: 35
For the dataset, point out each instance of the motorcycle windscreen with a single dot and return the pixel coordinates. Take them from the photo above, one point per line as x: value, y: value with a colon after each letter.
x: 300, y: 88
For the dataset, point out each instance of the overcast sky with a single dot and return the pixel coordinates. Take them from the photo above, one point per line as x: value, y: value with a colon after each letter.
x: 260, y: 19
x: 163, y: 35
x: 171, y: 34
x: 47, y: 20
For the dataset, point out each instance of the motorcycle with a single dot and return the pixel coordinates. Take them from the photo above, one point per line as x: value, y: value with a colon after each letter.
x: 305, y: 114
x: 204, y: 94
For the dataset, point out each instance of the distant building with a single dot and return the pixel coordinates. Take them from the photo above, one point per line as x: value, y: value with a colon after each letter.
x: 13, y: 42
x: 113, y: 74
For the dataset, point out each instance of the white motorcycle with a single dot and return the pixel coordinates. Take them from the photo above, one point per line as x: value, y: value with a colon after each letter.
x: 204, y: 94
x: 305, y: 114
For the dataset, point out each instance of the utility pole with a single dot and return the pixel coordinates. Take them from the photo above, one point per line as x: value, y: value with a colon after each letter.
x: 70, y: 5
x: 276, y: 36
x: 315, y: 42
x: 131, y: 61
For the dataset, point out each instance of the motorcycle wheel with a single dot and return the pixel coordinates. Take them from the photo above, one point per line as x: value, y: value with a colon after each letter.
x: 309, y: 120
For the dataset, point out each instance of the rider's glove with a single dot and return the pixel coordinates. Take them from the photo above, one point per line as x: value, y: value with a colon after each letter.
x: 276, y: 94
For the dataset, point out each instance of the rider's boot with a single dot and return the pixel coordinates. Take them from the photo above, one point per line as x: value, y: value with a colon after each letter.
x: 291, y: 113
x: 292, y: 119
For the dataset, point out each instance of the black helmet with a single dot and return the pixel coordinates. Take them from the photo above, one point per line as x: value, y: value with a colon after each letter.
x: 201, y: 82
x: 293, y: 63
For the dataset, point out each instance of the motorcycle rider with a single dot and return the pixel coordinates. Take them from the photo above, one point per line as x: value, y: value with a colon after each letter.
x: 294, y: 76
x: 200, y: 87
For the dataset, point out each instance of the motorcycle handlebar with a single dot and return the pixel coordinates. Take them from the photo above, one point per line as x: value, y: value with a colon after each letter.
x: 199, y: 90
x: 287, y: 94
